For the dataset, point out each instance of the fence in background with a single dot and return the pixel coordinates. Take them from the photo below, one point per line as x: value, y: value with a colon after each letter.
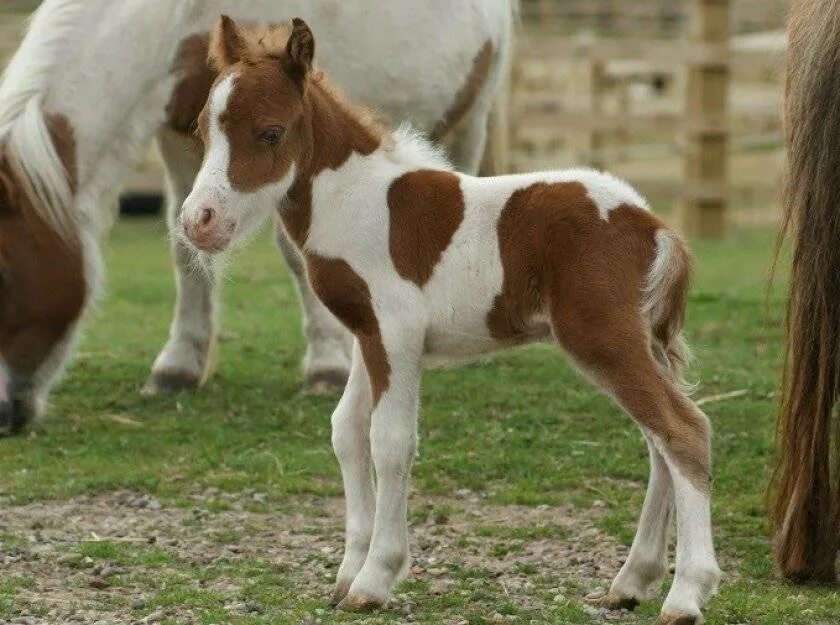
x: 601, y: 101
x: 618, y: 84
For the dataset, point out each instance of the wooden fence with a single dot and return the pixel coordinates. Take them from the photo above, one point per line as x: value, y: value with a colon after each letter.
x: 587, y: 114
x: 582, y: 112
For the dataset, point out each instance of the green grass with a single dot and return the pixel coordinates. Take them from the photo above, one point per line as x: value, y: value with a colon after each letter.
x: 521, y: 428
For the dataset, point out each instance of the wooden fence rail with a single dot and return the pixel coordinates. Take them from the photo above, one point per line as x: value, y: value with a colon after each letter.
x: 695, y: 124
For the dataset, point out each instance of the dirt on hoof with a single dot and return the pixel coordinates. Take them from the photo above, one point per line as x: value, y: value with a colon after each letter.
x: 679, y: 619
x: 359, y: 603
x: 170, y: 382
x: 126, y: 558
x: 611, y: 601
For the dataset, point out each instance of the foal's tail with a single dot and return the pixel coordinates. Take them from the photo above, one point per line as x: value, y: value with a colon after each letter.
x: 806, y: 510
x: 663, y: 304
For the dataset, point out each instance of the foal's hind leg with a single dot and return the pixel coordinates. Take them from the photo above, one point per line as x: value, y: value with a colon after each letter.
x: 185, y: 359
x: 615, y: 352
x: 647, y: 562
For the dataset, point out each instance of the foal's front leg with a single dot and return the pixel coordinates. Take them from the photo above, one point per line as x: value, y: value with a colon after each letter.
x: 393, y: 443
x: 351, y: 426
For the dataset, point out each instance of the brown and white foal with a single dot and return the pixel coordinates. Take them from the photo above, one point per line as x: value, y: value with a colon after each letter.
x: 420, y: 262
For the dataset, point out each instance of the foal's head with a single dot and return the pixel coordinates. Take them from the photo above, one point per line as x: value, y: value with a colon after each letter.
x: 254, y: 131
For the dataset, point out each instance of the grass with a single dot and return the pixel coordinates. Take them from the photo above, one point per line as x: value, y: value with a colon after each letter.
x: 522, y: 428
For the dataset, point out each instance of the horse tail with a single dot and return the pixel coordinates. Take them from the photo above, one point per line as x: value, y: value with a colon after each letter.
x: 663, y: 305
x: 806, y: 484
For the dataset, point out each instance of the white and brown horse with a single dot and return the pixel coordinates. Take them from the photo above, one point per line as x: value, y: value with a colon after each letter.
x: 95, y: 80
x: 425, y: 264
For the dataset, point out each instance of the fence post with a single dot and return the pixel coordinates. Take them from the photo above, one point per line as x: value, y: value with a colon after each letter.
x: 587, y: 142
x: 705, y: 163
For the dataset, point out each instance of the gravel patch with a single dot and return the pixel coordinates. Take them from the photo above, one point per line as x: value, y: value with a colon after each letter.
x: 116, y: 558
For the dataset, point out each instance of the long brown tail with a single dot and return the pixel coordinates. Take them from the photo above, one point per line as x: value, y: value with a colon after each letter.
x: 806, y: 515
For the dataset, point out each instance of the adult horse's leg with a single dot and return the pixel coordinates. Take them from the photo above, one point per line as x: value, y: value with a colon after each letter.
x: 328, y: 343
x: 466, y: 147
x: 185, y: 359
x: 479, y: 139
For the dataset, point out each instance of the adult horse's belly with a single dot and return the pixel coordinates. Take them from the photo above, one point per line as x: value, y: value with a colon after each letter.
x: 408, y: 60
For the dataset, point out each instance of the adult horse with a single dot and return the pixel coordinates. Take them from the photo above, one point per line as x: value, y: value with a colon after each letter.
x: 807, y: 496
x: 94, y: 81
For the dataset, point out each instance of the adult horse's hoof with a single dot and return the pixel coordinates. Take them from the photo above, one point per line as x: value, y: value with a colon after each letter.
x: 14, y: 418
x: 339, y: 592
x: 169, y: 382
x: 612, y: 601
x: 679, y: 619
x: 359, y: 603
x: 327, y: 382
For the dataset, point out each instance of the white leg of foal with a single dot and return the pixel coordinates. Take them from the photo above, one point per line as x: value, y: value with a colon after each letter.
x: 647, y: 562
x: 393, y: 443
x: 328, y: 343
x: 185, y: 359
x: 697, y: 574
x: 350, y: 432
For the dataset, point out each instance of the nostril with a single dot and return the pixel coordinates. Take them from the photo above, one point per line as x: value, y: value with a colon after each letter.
x: 206, y: 216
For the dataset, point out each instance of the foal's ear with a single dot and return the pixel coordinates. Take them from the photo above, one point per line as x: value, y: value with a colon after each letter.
x: 300, y: 50
x: 227, y: 46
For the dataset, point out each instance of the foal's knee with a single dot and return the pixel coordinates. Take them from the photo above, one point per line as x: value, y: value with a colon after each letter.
x: 348, y: 435
x: 393, y: 449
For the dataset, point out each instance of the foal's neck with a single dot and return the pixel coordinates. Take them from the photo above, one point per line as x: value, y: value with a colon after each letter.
x: 338, y: 130
x: 333, y: 131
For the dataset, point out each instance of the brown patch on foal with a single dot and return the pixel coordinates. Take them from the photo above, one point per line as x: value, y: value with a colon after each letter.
x: 196, y: 78
x: 561, y: 259
x: 426, y: 207
x: 43, y: 288
x: 338, y: 132
x: 346, y: 295
x: 468, y: 94
x: 64, y: 139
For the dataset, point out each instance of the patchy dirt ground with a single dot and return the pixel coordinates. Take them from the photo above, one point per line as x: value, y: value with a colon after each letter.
x: 123, y: 557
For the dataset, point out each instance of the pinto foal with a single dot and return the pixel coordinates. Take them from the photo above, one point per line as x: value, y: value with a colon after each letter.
x: 421, y: 262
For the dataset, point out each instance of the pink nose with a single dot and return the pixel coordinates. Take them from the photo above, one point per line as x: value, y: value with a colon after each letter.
x: 203, y: 230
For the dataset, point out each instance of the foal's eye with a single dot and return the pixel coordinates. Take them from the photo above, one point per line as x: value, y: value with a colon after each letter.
x: 272, y: 136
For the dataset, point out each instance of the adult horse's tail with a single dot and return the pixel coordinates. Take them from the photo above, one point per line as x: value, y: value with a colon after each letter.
x: 806, y: 514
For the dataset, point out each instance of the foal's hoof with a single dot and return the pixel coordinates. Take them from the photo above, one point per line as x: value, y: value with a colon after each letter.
x: 359, y: 603
x: 169, y: 382
x: 327, y: 382
x: 612, y: 601
x: 679, y: 619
